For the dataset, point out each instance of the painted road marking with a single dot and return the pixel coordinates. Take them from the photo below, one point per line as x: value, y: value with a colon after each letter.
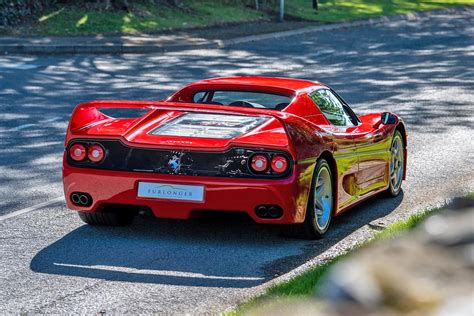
x: 156, y: 272
x: 18, y: 66
x: 31, y: 208
x: 19, y: 128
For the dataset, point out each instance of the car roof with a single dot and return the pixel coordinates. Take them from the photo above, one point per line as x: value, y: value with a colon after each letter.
x: 272, y: 82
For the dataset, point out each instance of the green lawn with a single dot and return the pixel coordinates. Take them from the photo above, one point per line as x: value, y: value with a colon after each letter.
x: 146, y: 17
x: 306, y: 283
x: 341, y: 10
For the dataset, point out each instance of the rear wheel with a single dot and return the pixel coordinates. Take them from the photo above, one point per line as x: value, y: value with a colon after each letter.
x: 397, y: 165
x: 320, y: 204
x: 119, y: 217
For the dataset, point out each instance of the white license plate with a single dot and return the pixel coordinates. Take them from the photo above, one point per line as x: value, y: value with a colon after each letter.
x: 169, y: 191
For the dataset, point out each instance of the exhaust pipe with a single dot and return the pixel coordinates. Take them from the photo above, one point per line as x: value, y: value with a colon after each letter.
x: 75, y: 198
x: 262, y: 211
x: 81, y: 199
x: 84, y: 199
x: 268, y: 211
x: 273, y: 212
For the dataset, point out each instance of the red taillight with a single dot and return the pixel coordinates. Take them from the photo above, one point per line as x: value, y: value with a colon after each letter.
x: 77, y: 152
x: 96, y: 153
x: 259, y: 163
x: 279, y: 164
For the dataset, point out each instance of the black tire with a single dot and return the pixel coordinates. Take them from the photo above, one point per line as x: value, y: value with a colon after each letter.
x: 309, y: 228
x: 120, y: 217
x: 395, y: 191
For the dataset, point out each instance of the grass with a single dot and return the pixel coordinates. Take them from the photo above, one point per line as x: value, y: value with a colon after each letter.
x: 342, y: 10
x: 146, y: 17
x: 305, y: 284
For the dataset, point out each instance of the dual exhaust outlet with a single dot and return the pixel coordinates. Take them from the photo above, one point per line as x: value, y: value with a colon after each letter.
x: 269, y: 211
x: 81, y: 199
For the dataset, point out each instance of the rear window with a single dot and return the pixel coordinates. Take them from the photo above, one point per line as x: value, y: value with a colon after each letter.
x: 251, y: 99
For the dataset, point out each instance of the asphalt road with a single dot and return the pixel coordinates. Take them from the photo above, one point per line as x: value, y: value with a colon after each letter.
x: 51, y: 263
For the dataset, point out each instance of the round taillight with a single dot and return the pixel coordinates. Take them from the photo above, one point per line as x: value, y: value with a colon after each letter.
x: 77, y: 152
x: 259, y: 163
x: 96, y: 153
x: 279, y: 164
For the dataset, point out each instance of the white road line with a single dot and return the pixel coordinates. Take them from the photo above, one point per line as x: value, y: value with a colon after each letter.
x: 156, y: 272
x: 18, y: 66
x: 22, y: 127
x: 32, y: 208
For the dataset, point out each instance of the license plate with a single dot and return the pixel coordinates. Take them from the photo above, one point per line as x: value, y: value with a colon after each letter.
x: 169, y: 191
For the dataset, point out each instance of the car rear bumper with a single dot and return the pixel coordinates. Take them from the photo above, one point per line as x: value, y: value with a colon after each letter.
x: 220, y: 194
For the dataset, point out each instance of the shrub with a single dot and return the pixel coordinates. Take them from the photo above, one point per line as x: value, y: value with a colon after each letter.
x: 13, y: 11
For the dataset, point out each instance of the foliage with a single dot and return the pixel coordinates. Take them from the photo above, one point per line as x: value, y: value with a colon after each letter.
x: 12, y: 11
x: 143, y: 17
x: 342, y: 10
x: 63, y: 17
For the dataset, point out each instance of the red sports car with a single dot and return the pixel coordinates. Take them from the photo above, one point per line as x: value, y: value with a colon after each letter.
x: 284, y: 151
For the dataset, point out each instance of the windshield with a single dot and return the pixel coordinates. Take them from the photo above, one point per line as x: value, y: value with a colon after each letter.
x: 251, y: 99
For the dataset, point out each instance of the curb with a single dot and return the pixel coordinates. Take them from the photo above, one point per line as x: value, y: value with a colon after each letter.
x: 319, y: 28
x: 412, y: 16
x: 52, y: 49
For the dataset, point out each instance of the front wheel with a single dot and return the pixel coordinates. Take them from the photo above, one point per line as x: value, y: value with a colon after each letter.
x: 320, y: 204
x: 397, y: 165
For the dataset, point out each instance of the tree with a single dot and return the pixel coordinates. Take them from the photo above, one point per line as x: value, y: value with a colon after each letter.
x: 282, y: 11
x: 315, y: 5
x: 120, y: 4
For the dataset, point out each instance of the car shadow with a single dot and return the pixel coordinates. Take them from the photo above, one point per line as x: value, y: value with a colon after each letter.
x: 215, y: 251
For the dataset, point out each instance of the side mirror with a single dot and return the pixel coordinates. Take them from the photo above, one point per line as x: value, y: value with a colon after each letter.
x: 388, y: 118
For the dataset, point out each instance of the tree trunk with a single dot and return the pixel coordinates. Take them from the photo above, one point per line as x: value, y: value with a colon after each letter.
x: 108, y: 4
x: 281, y: 16
x: 315, y: 5
x: 117, y: 4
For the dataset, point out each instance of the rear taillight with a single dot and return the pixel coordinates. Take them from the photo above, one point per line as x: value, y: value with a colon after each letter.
x: 96, y: 153
x: 77, y: 152
x: 279, y: 164
x: 259, y: 163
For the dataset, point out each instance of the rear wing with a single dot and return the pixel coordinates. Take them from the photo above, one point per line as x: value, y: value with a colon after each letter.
x: 301, y: 131
x: 89, y: 112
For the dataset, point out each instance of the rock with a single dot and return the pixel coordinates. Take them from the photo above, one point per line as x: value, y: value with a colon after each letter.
x: 427, y: 272
x: 378, y: 225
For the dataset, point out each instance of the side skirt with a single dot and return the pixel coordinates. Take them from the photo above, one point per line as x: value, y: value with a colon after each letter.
x: 360, y: 200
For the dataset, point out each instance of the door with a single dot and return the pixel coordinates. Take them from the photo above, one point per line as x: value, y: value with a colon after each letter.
x: 373, y: 152
x: 340, y: 126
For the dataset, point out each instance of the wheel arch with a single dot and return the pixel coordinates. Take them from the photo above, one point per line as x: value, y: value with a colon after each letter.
x: 402, y: 129
x: 332, y: 164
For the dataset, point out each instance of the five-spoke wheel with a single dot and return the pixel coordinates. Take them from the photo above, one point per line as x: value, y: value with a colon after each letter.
x: 323, y: 197
x: 396, y: 167
x: 320, y: 204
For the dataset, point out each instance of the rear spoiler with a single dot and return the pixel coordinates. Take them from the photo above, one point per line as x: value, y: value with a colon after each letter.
x: 89, y: 113
x: 179, y: 106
